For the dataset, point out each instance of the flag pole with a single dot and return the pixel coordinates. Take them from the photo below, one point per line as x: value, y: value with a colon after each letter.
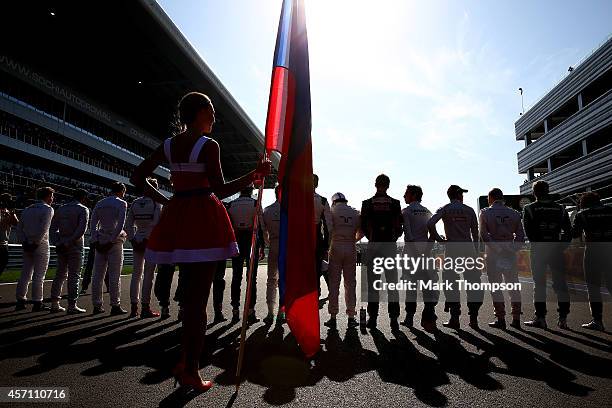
x: 247, y: 302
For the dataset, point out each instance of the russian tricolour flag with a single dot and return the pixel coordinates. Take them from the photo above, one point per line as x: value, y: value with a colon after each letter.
x: 288, y: 131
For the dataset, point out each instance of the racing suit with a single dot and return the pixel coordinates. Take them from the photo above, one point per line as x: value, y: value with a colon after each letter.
x: 500, y: 229
x: 343, y: 257
x: 548, y: 229
x: 381, y: 222
x: 416, y: 239
x: 107, y: 221
x: 33, y: 232
x: 7, y: 220
x: 142, y: 216
x: 242, y: 212
x: 70, y: 221
x: 323, y: 226
x: 596, y: 223
x: 461, y: 229
x: 271, y: 219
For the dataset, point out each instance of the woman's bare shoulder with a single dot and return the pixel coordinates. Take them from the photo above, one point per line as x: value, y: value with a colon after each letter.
x: 212, y: 142
x: 211, y: 146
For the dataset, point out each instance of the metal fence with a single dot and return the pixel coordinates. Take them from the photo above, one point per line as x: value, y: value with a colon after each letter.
x: 49, y: 145
x: 16, y: 256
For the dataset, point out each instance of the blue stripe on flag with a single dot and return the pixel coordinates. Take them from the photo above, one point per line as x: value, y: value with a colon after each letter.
x: 284, y: 33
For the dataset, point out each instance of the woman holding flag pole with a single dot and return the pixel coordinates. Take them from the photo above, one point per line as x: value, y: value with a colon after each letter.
x: 194, y: 230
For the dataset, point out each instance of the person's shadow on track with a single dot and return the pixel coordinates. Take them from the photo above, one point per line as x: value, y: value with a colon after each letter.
x: 454, y: 358
x: 106, y: 347
x: 566, y: 355
x: 33, y: 325
x: 162, y: 353
x: 522, y: 362
x: 266, y: 352
x: 395, y: 359
x: 20, y: 343
x: 273, y: 360
x: 587, y: 339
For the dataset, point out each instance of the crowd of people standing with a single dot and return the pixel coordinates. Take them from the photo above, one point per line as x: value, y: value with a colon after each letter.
x: 166, y: 233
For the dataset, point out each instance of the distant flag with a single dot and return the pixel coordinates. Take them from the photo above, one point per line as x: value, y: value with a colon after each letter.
x: 288, y: 129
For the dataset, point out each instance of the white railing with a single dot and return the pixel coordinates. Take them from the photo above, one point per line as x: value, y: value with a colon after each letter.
x: 85, y: 131
x: 14, y: 133
x: 16, y: 256
x: 566, y: 74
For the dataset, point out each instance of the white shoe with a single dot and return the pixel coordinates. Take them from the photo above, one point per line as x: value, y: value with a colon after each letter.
x: 596, y: 325
x: 538, y: 322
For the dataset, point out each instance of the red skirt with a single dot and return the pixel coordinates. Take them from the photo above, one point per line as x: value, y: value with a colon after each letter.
x: 192, y: 229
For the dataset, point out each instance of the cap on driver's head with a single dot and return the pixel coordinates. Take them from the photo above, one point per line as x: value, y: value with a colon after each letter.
x: 455, y: 190
x: 338, y: 197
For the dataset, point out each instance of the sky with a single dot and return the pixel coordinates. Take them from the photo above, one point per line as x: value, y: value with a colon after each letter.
x: 423, y: 91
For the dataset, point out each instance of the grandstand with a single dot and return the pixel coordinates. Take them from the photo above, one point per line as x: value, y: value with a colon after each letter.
x: 568, y: 133
x: 83, y: 116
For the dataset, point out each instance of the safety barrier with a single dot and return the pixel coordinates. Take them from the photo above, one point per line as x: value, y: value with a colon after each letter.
x: 16, y: 256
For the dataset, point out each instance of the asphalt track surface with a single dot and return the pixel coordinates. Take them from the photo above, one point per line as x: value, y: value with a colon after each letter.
x: 120, y: 362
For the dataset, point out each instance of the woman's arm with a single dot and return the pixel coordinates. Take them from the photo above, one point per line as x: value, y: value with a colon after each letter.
x: 144, y: 170
x: 215, y: 173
